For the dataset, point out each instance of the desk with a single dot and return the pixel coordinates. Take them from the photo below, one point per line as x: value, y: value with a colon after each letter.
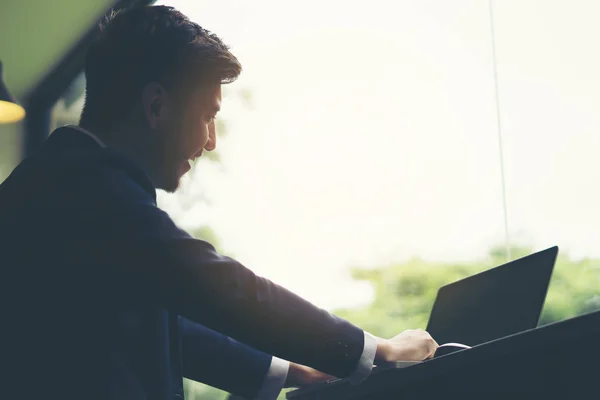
x: 556, y: 361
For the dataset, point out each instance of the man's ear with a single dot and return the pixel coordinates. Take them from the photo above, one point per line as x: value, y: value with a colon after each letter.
x: 156, y: 105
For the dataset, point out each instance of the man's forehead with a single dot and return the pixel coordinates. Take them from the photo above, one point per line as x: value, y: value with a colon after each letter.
x: 216, y: 98
x: 209, y: 96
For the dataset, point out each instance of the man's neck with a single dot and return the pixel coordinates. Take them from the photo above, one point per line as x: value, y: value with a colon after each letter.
x: 125, y: 141
x: 88, y: 133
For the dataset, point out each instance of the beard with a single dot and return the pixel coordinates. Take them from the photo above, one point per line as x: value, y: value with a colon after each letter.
x: 171, y: 179
x: 171, y: 186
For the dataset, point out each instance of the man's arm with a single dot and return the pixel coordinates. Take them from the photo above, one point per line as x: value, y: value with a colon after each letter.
x: 227, y: 364
x: 219, y: 361
x: 120, y: 241
x: 141, y: 248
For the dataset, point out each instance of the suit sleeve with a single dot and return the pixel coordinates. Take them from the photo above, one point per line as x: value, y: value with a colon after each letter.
x: 133, y: 244
x: 220, y: 361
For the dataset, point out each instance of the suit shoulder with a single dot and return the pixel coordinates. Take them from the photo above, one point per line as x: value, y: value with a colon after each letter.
x: 99, y: 176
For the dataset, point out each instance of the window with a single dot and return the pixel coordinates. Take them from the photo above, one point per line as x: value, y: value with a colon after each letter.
x: 366, y: 135
x: 67, y: 109
x: 11, y: 142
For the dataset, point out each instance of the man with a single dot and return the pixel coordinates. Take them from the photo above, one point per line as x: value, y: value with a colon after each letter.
x: 103, y: 296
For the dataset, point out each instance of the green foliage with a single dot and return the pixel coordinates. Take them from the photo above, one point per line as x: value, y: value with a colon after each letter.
x: 404, y: 293
x: 206, y: 233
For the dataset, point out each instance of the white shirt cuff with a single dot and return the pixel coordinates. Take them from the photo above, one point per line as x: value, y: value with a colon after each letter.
x: 365, y: 364
x: 275, y: 380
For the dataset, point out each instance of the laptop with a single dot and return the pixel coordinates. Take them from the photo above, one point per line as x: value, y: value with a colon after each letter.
x: 492, y: 304
x: 495, y: 303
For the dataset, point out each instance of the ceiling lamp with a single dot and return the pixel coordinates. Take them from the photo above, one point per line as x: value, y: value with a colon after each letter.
x: 10, y: 111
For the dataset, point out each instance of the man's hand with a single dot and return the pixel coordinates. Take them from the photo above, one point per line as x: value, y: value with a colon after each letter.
x: 410, y: 345
x: 300, y: 375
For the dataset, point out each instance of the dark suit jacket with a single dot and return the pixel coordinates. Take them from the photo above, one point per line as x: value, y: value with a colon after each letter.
x: 103, y: 296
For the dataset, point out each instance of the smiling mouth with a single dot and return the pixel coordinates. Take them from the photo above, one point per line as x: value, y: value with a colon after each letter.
x: 195, y: 156
x: 190, y: 161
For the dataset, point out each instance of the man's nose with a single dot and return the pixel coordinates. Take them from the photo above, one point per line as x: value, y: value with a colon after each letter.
x: 211, y: 144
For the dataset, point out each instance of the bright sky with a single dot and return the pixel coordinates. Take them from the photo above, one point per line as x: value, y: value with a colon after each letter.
x: 373, y: 137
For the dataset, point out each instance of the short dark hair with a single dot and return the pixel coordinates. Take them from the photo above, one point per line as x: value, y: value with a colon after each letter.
x: 149, y: 44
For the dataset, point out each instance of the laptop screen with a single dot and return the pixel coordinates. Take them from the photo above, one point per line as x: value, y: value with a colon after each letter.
x: 495, y: 303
